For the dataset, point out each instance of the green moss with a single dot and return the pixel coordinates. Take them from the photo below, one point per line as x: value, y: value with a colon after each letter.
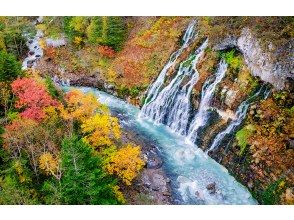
x: 233, y: 59
x: 188, y: 62
x: 242, y: 137
x: 125, y: 91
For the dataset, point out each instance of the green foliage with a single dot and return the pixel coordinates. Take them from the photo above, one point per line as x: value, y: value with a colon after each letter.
x: 51, y: 191
x: 16, y: 185
x: 242, y: 137
x: 51, y: 88
x: 125, y: 91
x: 11, y: 115
x: 75, y: 26
x: 15, y: 43
x: 10, y: 68
x: 271, y: 195
x: 109, y: 31
x: 234, y: 61
x: 84, y: 181
x: 14, y: 193
x: 11, y: 35
x: 1, y: 132
x: 188, y: 62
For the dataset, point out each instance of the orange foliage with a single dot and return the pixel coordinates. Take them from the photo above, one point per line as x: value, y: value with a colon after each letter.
x: 50, y: 52
x: 106, y: 51
x: 81, y: 107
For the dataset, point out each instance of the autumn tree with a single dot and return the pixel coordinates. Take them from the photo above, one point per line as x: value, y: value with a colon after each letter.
x: 80, y: 106
x: 101, y: 130
x: 126, y: 163
x: 32, y: 97
x: 26, y: 136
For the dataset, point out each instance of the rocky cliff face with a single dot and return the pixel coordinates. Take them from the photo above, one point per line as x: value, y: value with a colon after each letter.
x: 263, y: 64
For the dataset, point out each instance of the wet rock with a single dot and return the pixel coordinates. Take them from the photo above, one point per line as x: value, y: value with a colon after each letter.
x: 250, y: 184
x: 230, y: 97
x: 91, y: 81
x: 154, y: 162
x: 158, y: 180
x: 290, y: 144
x: 166, y: 193
x: 211, y: 188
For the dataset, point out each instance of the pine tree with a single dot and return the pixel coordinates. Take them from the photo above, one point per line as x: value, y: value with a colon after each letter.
x: 84, y: 181
x: 10, y: 68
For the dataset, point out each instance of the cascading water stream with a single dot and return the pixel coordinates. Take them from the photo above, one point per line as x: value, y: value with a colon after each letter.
x: 207, y: 93
x: 240, y: 116
x: 163, y: 106
x: 188, y: 37
x: 178, y: 115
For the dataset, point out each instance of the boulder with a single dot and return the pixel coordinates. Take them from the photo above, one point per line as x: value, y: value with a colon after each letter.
x: 211, y: 188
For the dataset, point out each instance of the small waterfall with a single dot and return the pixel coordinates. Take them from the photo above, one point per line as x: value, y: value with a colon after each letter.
x: 207, y: 93
x: 164, y: 108
x: 35, y: 50
x: 240, y: 116
x: 154, y: 89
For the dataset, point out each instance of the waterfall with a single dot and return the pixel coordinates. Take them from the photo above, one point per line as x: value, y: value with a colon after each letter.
x: 207, y: 93
x: 179, y: 113
x: 240, y: 116
x: 168, y: 104
x: 154, y: 89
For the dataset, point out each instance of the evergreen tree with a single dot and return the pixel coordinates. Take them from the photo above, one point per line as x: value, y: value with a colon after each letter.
x: 84, y: 181
x: 10, y: 68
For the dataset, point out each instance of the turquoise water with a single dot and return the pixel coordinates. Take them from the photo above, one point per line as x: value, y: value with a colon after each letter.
x: 188, y: 167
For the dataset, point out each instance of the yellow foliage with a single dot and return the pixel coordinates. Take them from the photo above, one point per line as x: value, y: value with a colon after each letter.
x: 2, y: 43
x: 51, y: 115
x: 77, y: 40
x: 20, y: 172
x: 126, y: 163
x: 41, y: 27
x: 48, y: 163
x: 81, y: 107
x: 79, y: 23
x: 119, y: 195
x: 42, y: 43
x: 101, y: 130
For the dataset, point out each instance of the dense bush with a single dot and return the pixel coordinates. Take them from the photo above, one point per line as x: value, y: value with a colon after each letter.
x: 10, y: 68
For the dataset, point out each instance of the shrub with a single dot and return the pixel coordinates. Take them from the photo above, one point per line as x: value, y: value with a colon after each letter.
x: 10, y: 68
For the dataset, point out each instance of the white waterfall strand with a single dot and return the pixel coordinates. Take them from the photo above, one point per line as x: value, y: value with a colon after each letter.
x: 207, y: 93
x: 188, y: 37
x: 178, y: 115
x: 240, y: 116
